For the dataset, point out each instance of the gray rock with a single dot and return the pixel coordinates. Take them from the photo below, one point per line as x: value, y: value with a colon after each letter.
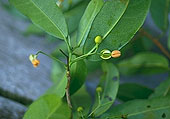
x: 10, y: 109
x: 17, y: 75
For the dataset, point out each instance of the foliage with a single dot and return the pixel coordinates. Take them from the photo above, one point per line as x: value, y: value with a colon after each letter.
x: 131, y: 91
x: 93, y: 31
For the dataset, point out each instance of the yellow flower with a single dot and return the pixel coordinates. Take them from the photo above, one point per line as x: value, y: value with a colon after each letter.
x: 35, y: 62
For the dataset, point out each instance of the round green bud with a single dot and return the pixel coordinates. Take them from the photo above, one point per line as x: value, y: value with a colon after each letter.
x: 105, y: 54
x: 79, y: 109
x: 99, y: 89
x: 98, y: 39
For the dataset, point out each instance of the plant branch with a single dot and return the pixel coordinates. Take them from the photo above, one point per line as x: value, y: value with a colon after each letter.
x: 68, y: 44
x: 68, y: 87
x: 67, y: 90
x: 91, y: 52
x: 63, y: 53
x: 156, y: 42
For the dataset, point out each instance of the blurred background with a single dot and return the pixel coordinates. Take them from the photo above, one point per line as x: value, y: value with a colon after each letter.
x: 20, y: 83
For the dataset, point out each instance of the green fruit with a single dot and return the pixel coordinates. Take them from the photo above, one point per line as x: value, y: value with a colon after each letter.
x: 105, y: 54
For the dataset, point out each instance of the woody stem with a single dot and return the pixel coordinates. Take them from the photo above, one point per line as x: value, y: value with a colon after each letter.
x: 156, y: 42
x: 68, y: 87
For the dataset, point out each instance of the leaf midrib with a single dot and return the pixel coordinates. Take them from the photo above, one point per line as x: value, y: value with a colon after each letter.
x: 107, y: 33
x: 160, y: 108
x: 141, y: 112
x: 61, y: 32
x: 141, y: 65
x: 50, y: 114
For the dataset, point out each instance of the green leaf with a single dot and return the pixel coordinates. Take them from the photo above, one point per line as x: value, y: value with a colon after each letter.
x: 57, y: 72
x: 162, y: 90
x: 63, y: 112
x: 73, y: 42
x: 82, y: 99
x: 144, y: 63
x: 157, y: 108
x: 169, y: 41
x: 130, y: 91
x: 33, y: 29
x: 67, y: 5
x: 57, y: 52
x: 45, y: 14
x: 159, y: 12
x: 93, y: 67
x: 86, y: 21
x: 74, y: 15
x: 59, y: 86
x: 78, y: 76
x: 122, y: 32
x: 110, y: 85
x: 43, y: 108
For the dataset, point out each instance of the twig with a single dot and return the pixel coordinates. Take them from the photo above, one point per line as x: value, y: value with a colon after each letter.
x: 67, y: 90
x: 68, y: 82
x: 156, y: 42
x: 63, y: 53
x: 68, y: 87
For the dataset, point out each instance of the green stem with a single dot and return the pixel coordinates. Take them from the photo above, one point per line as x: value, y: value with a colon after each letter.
x: 99, y: 103
x: 68, y: 44
x: 82, y: 115
x: 69, y: 41
x: 86, y: 55
x: 40, y: 52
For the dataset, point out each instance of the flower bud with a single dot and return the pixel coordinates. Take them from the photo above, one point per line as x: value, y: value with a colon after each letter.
x: 79, y: 109
x: 116, y: 53
x: 59, y: 3
x: 32, y: 57
x: 105, y: 54
x: 98, y: 39
x: 99, y: 89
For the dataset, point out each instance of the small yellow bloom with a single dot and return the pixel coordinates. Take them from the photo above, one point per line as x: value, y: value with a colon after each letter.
x: 35, y: 62
x: 116, y: 53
